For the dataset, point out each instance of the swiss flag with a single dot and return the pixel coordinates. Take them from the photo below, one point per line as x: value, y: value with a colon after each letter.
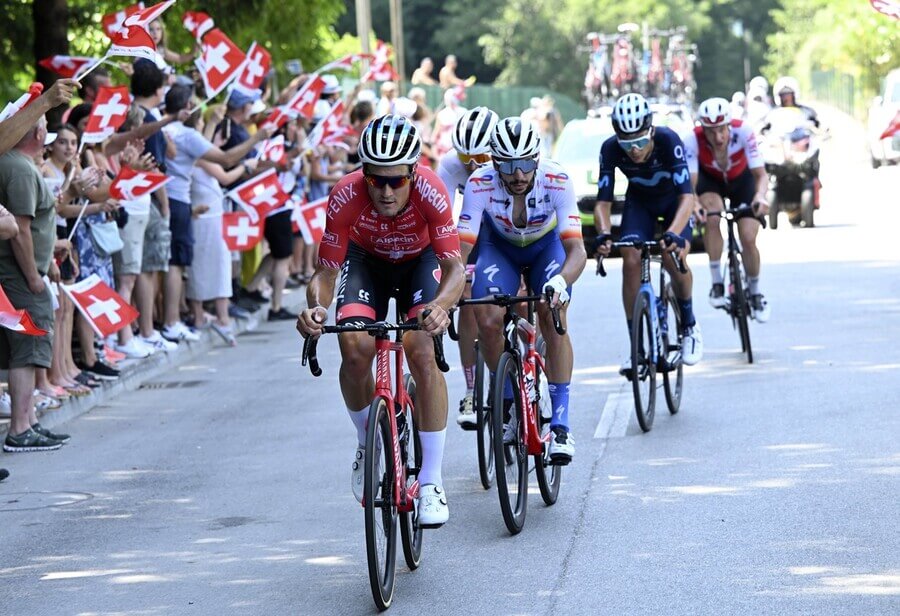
x: 240, y: 231
x: 309, y: 219
x: 258, y: 63
x: 221, y: 62
x: 346, y: 63
x: 143, y: 17
x: 260, y: 195
x: 273, y: 149
x: 893, y: 128
x: 17, y: 320
x: 103, y: 308
x: 197, y: 23
x: 131, y: 184
x: 68, y: 66
x: 133, y: 41
x: 115, y: 22
x: 11, y: 109
x: 381, y: 69
x: 278, y: 118
x: 304, y: 101
x: 328, y: 128
x: 108, y: 113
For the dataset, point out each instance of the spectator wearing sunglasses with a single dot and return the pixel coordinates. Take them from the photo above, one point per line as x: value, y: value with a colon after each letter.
x: 389, y: 232
x: 471, y: 150
x: 531, y: 221
x: 659, y: 186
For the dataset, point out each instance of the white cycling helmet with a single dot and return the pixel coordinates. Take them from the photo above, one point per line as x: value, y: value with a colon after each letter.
x: 785, y: 84
x: 714, y: 112
x: 514, y: 138
x: 389, y: 140
x: 472, y: 134
x: 631, y: 114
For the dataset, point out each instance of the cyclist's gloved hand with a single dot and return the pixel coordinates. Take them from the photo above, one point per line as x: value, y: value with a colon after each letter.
x: 670, y: 238
x: 557, y: 285
x: 601, y: 244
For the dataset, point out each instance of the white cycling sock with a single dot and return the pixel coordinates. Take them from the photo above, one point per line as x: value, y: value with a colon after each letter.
x: 753, y: 284
x: 359, y: 419
x: 715, y: 270
x: 432, y: 457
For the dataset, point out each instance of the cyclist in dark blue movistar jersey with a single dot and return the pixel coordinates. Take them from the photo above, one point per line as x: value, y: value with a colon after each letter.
x: 659, y: 186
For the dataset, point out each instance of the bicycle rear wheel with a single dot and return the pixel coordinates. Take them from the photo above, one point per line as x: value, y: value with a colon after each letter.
x: 410, y: 531
x: 378, y: 501
x: 740, y: 307
x: 484, y: 425
x: 511, y: 459
x: 673, y: 376
x: 548, y: 480
x: 643, y: 368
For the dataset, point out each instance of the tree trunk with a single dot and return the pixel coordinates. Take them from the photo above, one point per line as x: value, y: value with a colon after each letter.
x: 51, y: 29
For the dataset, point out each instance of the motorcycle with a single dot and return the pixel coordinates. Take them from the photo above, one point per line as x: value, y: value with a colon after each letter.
x: 791, y: 155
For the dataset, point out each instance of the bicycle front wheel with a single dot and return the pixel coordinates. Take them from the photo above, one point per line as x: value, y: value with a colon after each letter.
x: 411, y: 447
x: 378, y: 501
x: 510, y: 458
x: 643, y: 368
x: 485, y: 425
x: 549, y: 476
x: 739, y: 305
x: 673, y: 376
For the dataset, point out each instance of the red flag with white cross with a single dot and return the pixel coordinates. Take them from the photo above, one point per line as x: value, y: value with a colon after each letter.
x: 108, y: 113
x: 17, y: 320
x: 197, y: 23
x: 68, y: 67
x: 255, y: 69
x: 304, y: 101
x: 130, y: 184
x: 143, y: 17
x: 102, y: 308
x: 328, y: 128
x: 278, y: 118
x: 115, y: 22
x: 134, y: 42
x: 240, y: 231
x: 309, y: 219
x: 273, y: 149
x: 260, y: 194
x: 381, y: 69
x: 221, y: 62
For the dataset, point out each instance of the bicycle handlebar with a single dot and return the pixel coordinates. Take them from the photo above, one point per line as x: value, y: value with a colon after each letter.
x: 733, y: 213
x: 373, y: 329
x: 451, y: 330
x: 650, y: 245
x: 506, y: 300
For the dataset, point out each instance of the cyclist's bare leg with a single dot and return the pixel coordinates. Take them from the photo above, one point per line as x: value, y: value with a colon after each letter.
x: 468, y: 332
x: 712, y: 202
x: 490, y: 333
x: 748, y: 229
x: 357, y: 380
x: 631, y: 278
x: 560, y: 357
x: 431, y: 387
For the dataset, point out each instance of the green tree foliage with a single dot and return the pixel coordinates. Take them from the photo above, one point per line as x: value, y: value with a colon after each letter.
x: 843, y: 35
x: 287, y: 28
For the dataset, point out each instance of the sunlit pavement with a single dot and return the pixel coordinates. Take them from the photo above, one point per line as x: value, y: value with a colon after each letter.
x: 773, y: 491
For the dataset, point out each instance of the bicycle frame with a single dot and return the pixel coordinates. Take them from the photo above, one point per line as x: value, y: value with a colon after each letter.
x: 516, y: 327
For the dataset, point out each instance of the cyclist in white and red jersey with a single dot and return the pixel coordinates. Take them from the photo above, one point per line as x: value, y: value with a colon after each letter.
x: 530, y: 220
x: 724, y: 161
x: 471, y: 150
x: 389, y: 233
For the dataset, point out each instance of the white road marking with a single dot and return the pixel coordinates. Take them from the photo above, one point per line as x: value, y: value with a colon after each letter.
x: 617, y: 412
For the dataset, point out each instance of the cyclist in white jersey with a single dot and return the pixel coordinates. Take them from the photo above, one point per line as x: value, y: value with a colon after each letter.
x: 530, y: 220
x: 471, y: 150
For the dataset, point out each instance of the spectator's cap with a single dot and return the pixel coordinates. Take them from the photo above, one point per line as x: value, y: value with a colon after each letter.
x: 320, y: 111
x: 184, y: 80
x: 238, y: 99
x: 49, y: 139
x: 366, y: 96
x: 258, y: 107
x: 331, y: 85
x: 405, y: 107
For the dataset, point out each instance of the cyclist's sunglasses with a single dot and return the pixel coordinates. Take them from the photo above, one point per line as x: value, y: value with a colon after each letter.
x: 509, y: 167
x: 637, y: 143
x: 478, y: 159
x: 394, y: 181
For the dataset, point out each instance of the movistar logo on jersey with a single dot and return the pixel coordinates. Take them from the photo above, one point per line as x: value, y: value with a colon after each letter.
x: 681, y: 177
x: 557, y: 178
x: 604, y: 182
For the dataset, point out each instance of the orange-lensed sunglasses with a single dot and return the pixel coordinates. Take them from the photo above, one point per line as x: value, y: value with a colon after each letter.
x: 478, y: 159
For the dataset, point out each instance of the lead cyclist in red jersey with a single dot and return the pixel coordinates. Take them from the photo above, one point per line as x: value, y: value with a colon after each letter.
x: 389, y: 232
x: 724, y: 161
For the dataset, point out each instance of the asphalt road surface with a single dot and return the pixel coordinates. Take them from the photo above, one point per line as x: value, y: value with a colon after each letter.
x: 223, y: 489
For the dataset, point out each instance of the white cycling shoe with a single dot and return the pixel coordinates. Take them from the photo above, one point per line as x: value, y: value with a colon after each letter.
x: 692, y: 345
x: 432, y: 506
x: 562, y: 446
x: 358, y: 471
